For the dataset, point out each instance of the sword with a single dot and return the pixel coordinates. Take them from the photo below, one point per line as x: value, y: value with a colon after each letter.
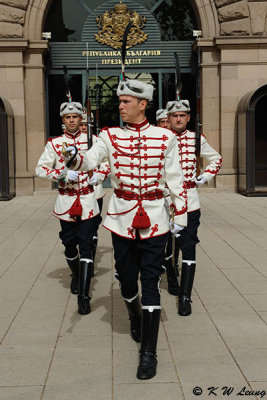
x: 173, y: 240
x: 174, y: 237
x: 178, y: 89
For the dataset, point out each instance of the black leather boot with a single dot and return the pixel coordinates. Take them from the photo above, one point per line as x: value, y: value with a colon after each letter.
x: 84, y: 286
x: 148, y: 357
x: 74, y: 263
x: 135, y: 313
x: 187, y: 278
x: 173, y: 286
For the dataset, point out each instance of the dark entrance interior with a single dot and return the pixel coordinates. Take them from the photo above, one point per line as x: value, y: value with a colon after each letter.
x: 164, y: 83
x: 261, y: 142
x: 252, y: 143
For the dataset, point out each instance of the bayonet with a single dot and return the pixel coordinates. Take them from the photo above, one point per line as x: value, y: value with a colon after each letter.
x: 178, y: 77
x: 67, y: 84
x: 124, y: 50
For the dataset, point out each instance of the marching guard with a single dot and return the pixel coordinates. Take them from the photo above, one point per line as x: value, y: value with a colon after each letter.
x: 171, y: 255
x: 142, y: 158
x: 76, y: 204
x: 179, y: 116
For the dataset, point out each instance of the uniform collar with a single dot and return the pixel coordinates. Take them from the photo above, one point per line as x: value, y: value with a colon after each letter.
x: 180, y: 133
x: 138, y: 127
x: 72, y: 135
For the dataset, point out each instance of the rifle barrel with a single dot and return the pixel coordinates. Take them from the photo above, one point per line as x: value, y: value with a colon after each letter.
x: 198, y: 116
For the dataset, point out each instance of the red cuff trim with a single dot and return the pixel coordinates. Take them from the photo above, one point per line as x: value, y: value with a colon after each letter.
x: 176, y: 212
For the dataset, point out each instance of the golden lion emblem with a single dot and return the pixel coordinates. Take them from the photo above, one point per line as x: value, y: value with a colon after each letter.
x: 113, y: 23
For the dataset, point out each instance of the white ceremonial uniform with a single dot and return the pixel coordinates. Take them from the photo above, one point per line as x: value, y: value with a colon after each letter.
x: 49, y: 166
x: 187, y: 150
x: 141, y: 158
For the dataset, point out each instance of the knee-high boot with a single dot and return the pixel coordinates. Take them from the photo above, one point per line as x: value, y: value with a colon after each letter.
x: 135, y: 313
x: 187, y: 279
x: 74, y: 263
x: 173, y: 287
x: 84, y: 286
x: 148, y: 353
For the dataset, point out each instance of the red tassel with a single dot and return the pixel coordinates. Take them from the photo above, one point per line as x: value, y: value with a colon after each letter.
x: 76, y: 209
x: 141, y: 219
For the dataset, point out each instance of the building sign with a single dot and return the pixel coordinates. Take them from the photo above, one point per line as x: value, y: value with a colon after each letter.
x: 113, y: 23
x: 159, y: 55
x: 114, y: 57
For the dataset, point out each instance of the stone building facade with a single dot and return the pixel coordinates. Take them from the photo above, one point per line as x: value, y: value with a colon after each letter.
x: 233, y: 62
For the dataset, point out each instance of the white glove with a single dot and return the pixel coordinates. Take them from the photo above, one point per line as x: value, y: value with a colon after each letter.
x: 93, y: 181
x: 200, y: 180
x: 71, y: 151
x: 175, y: 229
x: 63, y: 174
x: 72, y: 175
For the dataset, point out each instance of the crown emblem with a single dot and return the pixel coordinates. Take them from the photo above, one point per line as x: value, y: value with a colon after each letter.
x: 120, y: 8
x: 113, y: 23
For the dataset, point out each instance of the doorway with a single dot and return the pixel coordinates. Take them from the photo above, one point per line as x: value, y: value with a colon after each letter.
x: 252, y: 143
x: 261, y: 143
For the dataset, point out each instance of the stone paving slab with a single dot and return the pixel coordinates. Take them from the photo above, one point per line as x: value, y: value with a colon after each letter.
x: 50, y: 352
x: 21, y: 393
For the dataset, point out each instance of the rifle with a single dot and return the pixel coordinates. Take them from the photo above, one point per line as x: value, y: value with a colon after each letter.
x: 88, y: 103
x: 97, y: 105
x: 198, y: 126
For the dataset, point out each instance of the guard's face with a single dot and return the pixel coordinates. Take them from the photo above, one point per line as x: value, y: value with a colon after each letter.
x: 179, y: 121
x: 164, y: 123
x: 131, y: 109
x: 83, y: 127
x: 72, y: 122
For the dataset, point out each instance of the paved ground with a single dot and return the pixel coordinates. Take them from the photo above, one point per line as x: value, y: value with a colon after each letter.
x: 50, y: 352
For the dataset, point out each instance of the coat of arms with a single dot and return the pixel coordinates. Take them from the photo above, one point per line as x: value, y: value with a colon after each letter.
x: 113, y: 23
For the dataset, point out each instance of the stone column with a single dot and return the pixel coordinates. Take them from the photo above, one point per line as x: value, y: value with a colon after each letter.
x: 21, y: 68
x: 35, y: 98
x: 210, y: 101
x: 12, y: 87
x: 241, y: 71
